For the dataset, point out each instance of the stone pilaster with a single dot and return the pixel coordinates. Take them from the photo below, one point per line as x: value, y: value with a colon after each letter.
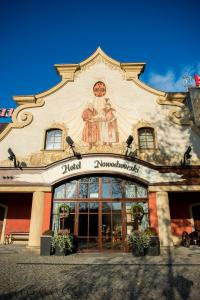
x: 164, y: 220
x: 36, y: 219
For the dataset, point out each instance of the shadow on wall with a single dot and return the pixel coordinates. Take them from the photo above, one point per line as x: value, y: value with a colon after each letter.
x: 172, y: 140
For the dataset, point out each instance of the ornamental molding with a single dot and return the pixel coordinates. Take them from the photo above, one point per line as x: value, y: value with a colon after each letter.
x: 22, y: 118
x: 179, y: 115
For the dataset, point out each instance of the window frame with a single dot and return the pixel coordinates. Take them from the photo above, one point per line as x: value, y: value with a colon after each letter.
x: 61, y: 139
x: 146, y: 140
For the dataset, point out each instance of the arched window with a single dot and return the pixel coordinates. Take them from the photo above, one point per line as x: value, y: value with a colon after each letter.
x: 53, y: 139
x: 146, y: 138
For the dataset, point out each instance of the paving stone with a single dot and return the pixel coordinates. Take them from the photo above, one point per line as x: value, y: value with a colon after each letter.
x: 114, y: 276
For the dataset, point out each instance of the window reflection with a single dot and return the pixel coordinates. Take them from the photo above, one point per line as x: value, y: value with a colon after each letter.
x: 106, y: 207
x: 59, y: 192
x: 83, y: 190
x: 88, y: 187
x: 116, y: 207
x: 71, y: 189
x: 134, y: 190
x: 130, y: 191
x: 106, y: 187
x: 94, y: 187
x: 94, y: 207
x: 83, y: 207
x: 116, y: 188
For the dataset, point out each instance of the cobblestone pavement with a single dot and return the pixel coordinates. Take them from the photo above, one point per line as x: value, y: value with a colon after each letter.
x: 25, y: 275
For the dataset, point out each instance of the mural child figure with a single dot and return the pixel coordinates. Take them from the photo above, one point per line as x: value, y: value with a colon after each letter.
x: 109, y: 128
x: 90, y: 133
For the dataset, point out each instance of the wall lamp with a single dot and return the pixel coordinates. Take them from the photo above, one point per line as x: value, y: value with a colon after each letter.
x: 129, y: 142
x: 185, y: 162
x: 13, y: 158
x: 70, y: 142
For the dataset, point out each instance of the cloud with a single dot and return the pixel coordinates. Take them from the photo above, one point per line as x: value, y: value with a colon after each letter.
x: 170, y: 82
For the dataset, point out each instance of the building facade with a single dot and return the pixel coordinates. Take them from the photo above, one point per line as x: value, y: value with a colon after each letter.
x: 98, y: 173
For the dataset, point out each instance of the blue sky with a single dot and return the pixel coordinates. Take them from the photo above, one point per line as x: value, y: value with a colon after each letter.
x: 35, y: 35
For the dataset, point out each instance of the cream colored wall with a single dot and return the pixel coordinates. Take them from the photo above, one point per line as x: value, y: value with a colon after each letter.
x: 131, y: 102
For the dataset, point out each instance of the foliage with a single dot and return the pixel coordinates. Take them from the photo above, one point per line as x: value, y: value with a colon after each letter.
x: 48, y: 232
x: 140, y: 238
x: 62, y: 241
x: 63, y: 208
x: 137, y: 212
x: 151, y: 231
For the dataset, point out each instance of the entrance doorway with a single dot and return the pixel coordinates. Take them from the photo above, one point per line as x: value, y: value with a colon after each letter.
x: 100, y: 210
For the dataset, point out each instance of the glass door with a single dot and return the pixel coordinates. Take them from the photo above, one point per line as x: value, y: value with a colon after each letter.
x: 88, y: 225
x: 111, y: 235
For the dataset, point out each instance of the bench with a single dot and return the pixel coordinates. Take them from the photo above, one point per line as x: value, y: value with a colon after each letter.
x: 16, y: 236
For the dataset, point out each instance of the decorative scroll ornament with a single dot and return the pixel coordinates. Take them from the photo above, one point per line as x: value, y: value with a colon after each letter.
x: 22, y: 118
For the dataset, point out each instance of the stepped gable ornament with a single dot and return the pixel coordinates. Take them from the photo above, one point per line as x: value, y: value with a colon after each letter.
x: 99, y: 89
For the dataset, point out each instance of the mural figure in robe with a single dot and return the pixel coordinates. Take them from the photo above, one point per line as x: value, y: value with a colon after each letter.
x: 109, y: 128
x: 91, y: 134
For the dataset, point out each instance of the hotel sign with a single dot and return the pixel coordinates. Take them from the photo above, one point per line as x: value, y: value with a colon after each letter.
x: 101, y: 164
x: 108, y: 165
x: 93, y: 164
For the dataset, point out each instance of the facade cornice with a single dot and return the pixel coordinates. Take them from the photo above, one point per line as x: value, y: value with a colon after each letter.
x: 133, y: 70
x: 66, y: 71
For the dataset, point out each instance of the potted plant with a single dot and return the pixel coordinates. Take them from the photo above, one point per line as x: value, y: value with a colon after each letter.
x: 45, y: 243
x: 62, y: 244
x: 139, y: 241
x: 154, y: 243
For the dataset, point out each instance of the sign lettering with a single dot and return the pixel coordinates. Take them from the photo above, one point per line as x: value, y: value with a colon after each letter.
x: 98, y: 164
x: 106, y: 164
x: 71, y: 167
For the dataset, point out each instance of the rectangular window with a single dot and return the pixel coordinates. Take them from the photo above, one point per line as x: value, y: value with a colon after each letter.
x: 53, y: 139
x: 146, y: 138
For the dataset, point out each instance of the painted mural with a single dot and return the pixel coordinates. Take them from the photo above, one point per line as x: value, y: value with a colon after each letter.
x: 100, y: 124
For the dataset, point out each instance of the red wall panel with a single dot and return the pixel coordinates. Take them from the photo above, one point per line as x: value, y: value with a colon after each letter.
x: 180, y: 211
x: 19, y: 211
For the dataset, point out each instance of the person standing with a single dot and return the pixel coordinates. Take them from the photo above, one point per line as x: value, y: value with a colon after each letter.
x: 109, y: 128
x: 90, y: 133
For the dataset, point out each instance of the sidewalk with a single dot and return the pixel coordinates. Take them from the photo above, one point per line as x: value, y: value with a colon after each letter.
x: 177, y: 255
x: 173, y: 275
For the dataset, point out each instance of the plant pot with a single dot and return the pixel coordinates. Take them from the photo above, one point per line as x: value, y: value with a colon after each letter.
x: 154, y: 246
x: 74, y: 244
x: 45, y: 245
x: 59, y: 252
x: 138, y: 251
